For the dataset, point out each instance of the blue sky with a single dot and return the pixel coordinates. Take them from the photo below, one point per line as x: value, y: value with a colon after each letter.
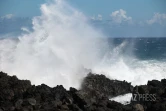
x: 144, y: 15
x: 20, y: 8
x: 138, y: 9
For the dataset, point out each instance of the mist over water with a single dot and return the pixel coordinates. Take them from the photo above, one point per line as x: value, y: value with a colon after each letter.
x: 63, y: 44
x: 120, y: 62
x: 57, y: 51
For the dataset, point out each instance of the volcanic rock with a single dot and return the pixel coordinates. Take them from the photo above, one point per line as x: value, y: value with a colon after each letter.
x: 151, y: 96
x: 20, y: 95
x: 138, y: 107
x: 95, y: 87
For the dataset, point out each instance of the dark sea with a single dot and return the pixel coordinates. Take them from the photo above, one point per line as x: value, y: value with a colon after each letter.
x: 143, y: 48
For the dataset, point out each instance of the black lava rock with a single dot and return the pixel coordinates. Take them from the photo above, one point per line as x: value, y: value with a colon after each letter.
x: 98, y: 86
x: 151, y: 96
x: 20, y: 95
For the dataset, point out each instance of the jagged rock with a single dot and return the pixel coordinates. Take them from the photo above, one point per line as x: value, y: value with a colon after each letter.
x: 12, y: 88
x: 32, y: 101
x: 79, y: 100
x: 163, y: 81
x: 18, y: 104
x: 12, y: 108
x: 153, y: 95
x: 114, y: 105
x: 74, y: 107
x: 138, y: 107
x: 64, y: 107
x: 98, y: 86
x: 29, y: 97
x: 57, y: 103
x: 154, y: 83
x: 20, y: 95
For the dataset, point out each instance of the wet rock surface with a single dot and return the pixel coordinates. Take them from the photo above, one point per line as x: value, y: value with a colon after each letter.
x: 99, y: 85
x: 20, y: 95
x: 151, y: 96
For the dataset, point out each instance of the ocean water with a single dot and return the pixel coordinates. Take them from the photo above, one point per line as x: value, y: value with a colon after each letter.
x: 150, y: 52
x: 136, y: 60
x: 63, y: 45
x: 144, y: 48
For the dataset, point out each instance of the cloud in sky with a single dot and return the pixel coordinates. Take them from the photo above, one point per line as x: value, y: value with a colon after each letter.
x: 120, y: 24
x: 120, y: 16
x: 8, y: 16
x: 98, y: 17
x: 157, y: 18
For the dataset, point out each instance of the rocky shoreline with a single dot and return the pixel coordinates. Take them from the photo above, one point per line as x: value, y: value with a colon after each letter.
x: 20, y: 95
